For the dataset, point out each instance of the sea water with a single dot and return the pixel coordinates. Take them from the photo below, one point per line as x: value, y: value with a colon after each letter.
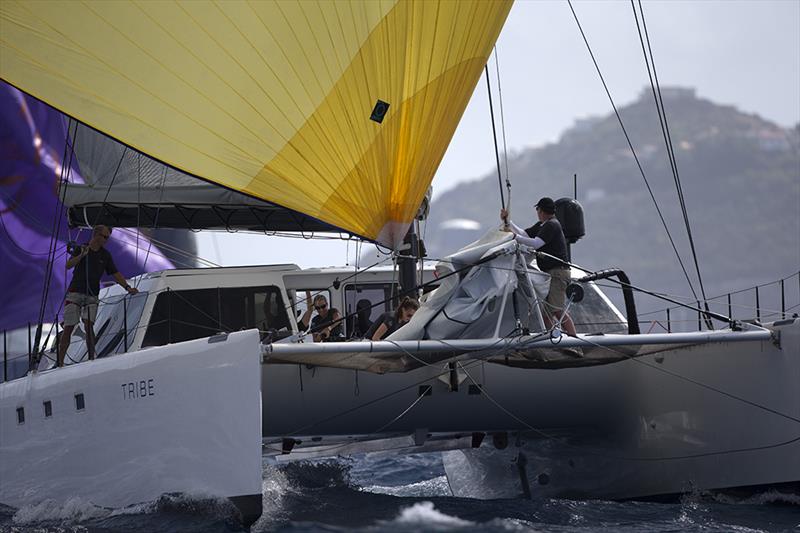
x: 375, y: 493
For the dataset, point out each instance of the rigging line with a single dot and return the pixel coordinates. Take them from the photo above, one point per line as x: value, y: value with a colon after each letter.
x: 372, y: 433
x: 633, y: 151
x: 66, y: 167
x: 138, y: 203
x: 289, y: 306
x: 494, y: 135
x: 618, y: 457
x: 695, y: 382
x: 670, y: 149
x: 174, y: 249
x: 155, y: 225
x: 16, y: 244
x: 502, y: 123
x: 389, y: 394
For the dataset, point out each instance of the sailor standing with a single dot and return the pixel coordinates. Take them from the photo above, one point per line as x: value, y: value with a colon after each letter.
x: 548, y: 237
x: 81, y: 300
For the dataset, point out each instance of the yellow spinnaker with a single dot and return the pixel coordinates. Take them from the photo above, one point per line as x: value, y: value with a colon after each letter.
x: 271, y: 98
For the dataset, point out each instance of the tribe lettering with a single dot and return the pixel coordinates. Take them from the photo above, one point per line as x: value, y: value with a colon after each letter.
x: 138, y: 389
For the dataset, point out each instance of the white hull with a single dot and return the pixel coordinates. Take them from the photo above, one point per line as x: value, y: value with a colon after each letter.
x: 178, y: 418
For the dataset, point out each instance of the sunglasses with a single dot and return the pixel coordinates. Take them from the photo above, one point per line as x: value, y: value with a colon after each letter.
x: 320, y: 307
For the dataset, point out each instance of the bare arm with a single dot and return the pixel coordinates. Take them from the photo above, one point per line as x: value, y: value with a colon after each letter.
x: 380, y: 332
x: 119, y: 278
x: 305, y: 320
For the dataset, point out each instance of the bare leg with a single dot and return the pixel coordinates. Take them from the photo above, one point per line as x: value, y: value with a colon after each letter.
x: 63, y: 344
x: 566, y: 323
x: 88, y: 326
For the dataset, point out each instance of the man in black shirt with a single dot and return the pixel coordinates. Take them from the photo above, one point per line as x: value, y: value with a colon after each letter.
x: 548, y: 237
x: 81, y: 300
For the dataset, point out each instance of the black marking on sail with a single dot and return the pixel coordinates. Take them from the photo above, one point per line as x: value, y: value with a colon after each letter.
x: 379, y: 111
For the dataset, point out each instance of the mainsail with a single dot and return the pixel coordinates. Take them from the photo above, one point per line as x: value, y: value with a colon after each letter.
x: 338, y: 110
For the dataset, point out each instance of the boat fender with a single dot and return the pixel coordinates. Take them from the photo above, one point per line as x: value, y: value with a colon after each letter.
x: 544, y: 478
x: 500, y: 440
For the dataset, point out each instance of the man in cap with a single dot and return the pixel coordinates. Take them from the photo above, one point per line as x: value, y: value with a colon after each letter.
x: 548, y: 237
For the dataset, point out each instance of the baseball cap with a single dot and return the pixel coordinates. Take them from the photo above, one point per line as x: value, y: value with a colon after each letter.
x: 546, y: 204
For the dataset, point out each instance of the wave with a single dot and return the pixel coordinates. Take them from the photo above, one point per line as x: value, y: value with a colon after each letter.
x: 769, y: 497
x: 437, y: 486
x: 73, y: 510
x: 424, y: 514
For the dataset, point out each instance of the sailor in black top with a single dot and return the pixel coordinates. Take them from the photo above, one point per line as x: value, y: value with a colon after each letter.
x: 81, y: 300
x: 548, y: 237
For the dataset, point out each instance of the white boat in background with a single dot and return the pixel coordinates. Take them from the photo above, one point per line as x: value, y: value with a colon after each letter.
x: 335, y: 119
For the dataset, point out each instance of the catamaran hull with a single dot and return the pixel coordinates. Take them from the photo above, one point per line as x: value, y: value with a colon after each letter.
x: 659, y: 424
x: 677, y: 436
x: 182, y: 418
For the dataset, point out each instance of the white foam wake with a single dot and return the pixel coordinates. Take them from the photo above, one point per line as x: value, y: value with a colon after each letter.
x: 424, y: 514
x: 437, y: 486
x: 75, y: 509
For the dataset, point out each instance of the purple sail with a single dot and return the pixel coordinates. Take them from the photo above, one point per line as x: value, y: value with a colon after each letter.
x: 33, y: 139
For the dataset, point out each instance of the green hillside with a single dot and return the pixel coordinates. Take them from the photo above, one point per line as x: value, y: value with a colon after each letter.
x: 740, y: 176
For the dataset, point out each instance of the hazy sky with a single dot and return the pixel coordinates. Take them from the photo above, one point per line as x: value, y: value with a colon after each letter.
x: 740, y: 52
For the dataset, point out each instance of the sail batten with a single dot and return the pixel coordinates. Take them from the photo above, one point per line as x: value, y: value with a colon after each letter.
x: 273, y: 99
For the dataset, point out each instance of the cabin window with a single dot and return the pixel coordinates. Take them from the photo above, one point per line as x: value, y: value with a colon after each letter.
x: 364, y: 303
x: 48, y: 409
x: 299, y: 303
x: 195, y: 314
x: 80, y: 403
x: 372, y: 299
x: 593, y: 314
x: 109, y: 327
x: 20, y: 415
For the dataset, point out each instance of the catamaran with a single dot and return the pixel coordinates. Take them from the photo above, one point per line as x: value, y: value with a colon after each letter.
x: 326, y: 116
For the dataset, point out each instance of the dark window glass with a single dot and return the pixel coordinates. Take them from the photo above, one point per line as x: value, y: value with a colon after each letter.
x: 109, y: 328
x: 363, y: 304
x: 48, y: 408
x: 20, y: 415
x: 594, y: 315
x: 79, y: 402
x: 195, y: 314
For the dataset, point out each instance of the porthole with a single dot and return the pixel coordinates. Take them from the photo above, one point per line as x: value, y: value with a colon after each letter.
x: 20, y: 415
x: 48, y: 409
x: 79, y: 402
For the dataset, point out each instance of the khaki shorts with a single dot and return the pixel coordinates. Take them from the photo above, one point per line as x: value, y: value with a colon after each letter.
x: 557, y: 295
x: 79, y: 306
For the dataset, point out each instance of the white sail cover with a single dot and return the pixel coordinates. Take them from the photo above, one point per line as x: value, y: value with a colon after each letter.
x: 490, y: 291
